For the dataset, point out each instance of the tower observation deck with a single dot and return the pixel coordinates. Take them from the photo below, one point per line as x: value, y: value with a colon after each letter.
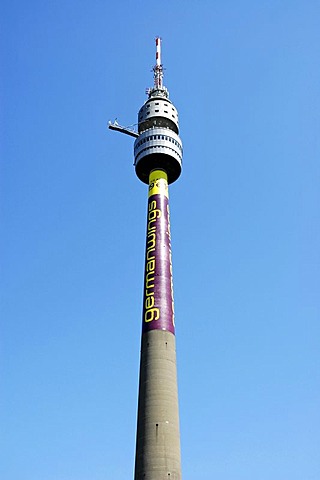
x: 158, y: 144
x: 158, y: 162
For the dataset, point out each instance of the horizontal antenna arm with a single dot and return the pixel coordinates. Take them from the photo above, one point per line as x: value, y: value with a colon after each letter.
x: 120, y: 128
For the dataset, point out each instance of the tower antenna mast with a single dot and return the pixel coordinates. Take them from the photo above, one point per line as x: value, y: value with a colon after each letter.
x: 158, y: 68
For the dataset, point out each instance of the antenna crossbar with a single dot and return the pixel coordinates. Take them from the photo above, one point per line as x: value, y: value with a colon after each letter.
x: 119, y: 128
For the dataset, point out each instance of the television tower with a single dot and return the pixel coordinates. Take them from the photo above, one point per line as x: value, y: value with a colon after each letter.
x: 158, y: 159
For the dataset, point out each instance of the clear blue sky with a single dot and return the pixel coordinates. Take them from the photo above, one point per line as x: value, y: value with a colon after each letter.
x: 245, y: 235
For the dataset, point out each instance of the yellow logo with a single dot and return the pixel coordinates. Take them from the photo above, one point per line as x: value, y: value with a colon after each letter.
x: 158, y: 183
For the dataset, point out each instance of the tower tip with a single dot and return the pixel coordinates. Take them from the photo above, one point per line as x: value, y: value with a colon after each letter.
x: 158, y: 51
x: 158, y: 73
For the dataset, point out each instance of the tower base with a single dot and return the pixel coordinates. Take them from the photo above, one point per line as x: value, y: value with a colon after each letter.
x: 158, y: 437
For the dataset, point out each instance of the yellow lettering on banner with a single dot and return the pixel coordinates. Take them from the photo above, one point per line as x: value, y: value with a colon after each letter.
x: 154, y: 214
x: 152, y: 205
x: 150, y: 257
x: 149, y: 279
x: 152, y: 314
x: 149, y: 303
x: 151, y: 241
x: 151, y: 265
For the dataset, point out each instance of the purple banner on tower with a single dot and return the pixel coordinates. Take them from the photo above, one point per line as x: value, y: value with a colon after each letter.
x: 158, y: 307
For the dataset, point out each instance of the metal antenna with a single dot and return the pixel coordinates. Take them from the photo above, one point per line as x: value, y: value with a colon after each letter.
x: 158, y: 68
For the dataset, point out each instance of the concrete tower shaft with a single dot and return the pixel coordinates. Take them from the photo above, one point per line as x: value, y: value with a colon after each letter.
x: 158, y: 162
x: 158, y: 437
